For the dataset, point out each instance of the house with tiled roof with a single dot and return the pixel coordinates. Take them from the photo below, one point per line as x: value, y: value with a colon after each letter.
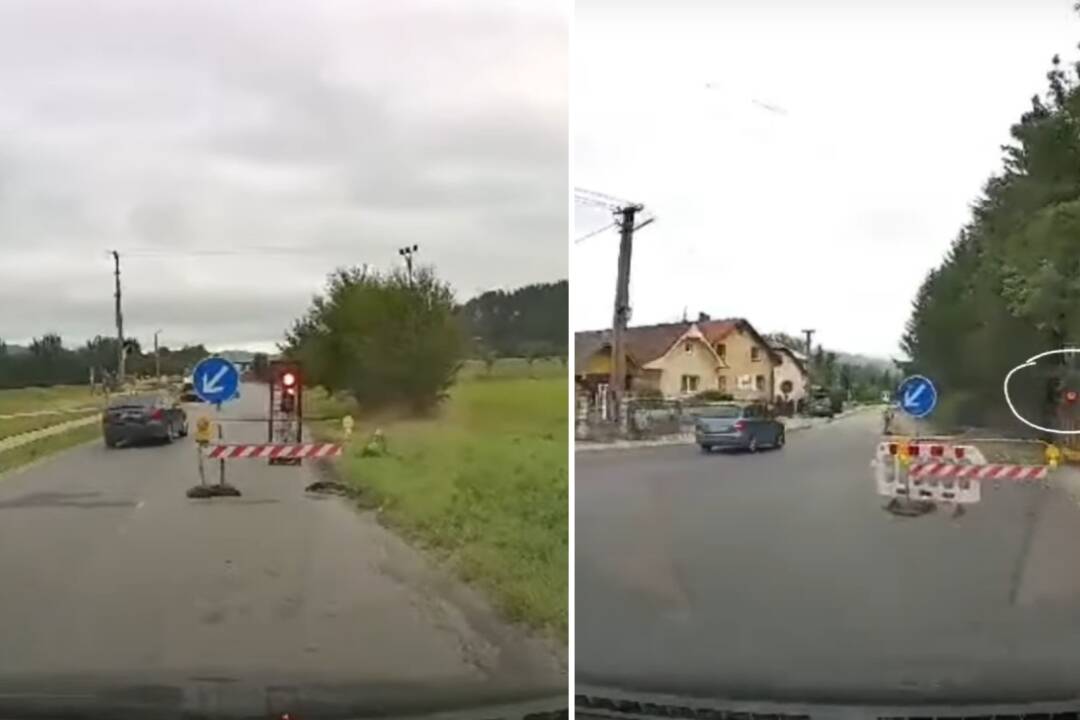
x: 790, y: 377
x: 684, y: 359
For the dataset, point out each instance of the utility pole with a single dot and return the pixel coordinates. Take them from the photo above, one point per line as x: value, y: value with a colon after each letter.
x: 121, y: 350
x: 617, y: 385
x: 407, y: 252
x: 809, y: 342
x: 157, y: 357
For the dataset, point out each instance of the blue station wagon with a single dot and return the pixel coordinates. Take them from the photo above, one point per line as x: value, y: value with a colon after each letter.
x: 736, y: 426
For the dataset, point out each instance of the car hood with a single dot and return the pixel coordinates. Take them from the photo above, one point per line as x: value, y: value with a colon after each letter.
x: 220, y: 696
x: 604, y: 701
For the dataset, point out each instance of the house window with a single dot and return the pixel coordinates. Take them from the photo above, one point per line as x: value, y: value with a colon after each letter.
x: 722, y: 383
x: 690, y: 383
x: 755, y: 353
x: 688, y: 348
x: 721, y: 350
x: 759, y: 382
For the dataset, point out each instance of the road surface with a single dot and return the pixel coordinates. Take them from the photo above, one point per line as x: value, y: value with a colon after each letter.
x: 106, y: 568
x: 780, y: 575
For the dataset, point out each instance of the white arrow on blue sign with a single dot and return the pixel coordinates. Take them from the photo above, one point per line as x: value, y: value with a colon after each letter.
x: 917, y: 396
x: 216, y: 380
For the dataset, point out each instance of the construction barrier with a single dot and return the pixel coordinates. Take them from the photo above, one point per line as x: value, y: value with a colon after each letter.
x: 895, y: 467
x: 981, y: 472
x: 937, y: 471
x: 290, y: 451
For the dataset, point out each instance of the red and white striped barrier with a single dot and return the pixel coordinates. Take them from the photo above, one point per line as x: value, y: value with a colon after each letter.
x: 980, y: 472
x: 273, y: 450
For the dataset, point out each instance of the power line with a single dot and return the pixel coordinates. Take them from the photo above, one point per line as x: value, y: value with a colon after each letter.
x: 588, y: 235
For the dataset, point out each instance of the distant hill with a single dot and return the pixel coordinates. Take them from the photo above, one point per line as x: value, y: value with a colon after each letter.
x: 876, y: 363
x: 844, y: 358
x: 532, y: 320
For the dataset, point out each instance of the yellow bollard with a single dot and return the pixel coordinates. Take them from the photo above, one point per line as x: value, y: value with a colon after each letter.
x: 203, y: 430
x: 1053, y: 455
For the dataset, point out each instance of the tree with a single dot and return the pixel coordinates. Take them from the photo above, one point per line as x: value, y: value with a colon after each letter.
x: 385, y: 339
x: 531, y: 318
x: 1008, y: 285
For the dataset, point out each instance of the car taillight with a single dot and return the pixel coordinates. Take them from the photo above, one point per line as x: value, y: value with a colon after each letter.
x: 739, y: 426
x: 157, y: 414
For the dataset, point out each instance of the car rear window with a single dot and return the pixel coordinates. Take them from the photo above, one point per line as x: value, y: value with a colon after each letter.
x: 139, y: 401
x: 724, y: 411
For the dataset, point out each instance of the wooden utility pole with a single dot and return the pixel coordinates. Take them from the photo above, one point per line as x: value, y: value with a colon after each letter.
x: 121, y: 360
x: 809, y: 343
x: 157, y: 357
x: 617, y: 384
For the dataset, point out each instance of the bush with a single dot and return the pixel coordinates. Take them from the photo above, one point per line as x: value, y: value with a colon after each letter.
x: 385, y: 339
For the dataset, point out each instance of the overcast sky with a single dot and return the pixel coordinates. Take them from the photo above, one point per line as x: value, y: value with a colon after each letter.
x: 338, y: 131
x: 806, y: 168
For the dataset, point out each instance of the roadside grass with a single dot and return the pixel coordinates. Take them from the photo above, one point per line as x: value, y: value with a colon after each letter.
x: 1018, y: 453
x: 34, y: 399
x: 37, y: 449
x: 16, y: 426
x: 483, y: 486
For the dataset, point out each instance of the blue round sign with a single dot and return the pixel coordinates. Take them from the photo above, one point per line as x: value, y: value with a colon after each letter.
x: 917, y: 396
x: 216, y: 380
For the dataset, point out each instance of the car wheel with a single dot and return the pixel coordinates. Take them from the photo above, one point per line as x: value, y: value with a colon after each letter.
x: 752, y: 445
x: 170, y: 433
x: 110, y: 443
x: 706, y: 449
x: 780, y: 439
x: 184, y: 429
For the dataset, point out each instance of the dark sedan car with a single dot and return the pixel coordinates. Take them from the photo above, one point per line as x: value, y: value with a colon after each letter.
x: 734, y: 426
x: 135, y: 418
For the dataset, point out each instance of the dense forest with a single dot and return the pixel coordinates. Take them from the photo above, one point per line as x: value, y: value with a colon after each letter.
x: 1009, y: 286
x: 530, y: 321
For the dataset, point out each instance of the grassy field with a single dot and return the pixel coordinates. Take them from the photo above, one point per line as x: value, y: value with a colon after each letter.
x: 484, y: 486
x: 514, y: 368
x: 61, y: 397
x: 37, y: 449
x: 19, y: 425
x: 67, y: 402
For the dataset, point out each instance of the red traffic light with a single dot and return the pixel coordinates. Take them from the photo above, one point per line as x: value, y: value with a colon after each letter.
x: 1071, y: 396
x: 288, y: 379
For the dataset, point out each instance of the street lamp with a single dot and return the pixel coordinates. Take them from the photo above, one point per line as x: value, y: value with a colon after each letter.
x: 407, y: 252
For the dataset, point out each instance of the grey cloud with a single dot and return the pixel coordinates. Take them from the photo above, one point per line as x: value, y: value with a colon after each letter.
x: 340, y: 131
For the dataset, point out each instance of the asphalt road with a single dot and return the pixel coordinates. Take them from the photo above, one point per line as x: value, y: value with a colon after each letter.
x: 780, y: 576
x: 107, y: 569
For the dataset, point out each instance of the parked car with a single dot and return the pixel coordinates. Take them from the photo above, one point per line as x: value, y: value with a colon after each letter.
x: 823, y: 403
x: 187, y: 391
x: 150, y: 416
x: 740, y: 426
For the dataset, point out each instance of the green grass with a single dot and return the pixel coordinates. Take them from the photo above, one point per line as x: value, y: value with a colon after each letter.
x: 17, y: 426
x: 484, y: 486
x: 61, y: 397
x: 514, y: 368
x: 23, y: 454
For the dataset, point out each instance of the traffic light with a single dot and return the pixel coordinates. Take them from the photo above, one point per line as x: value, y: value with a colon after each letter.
x: 290, y: 383
x: 1070, y: 397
